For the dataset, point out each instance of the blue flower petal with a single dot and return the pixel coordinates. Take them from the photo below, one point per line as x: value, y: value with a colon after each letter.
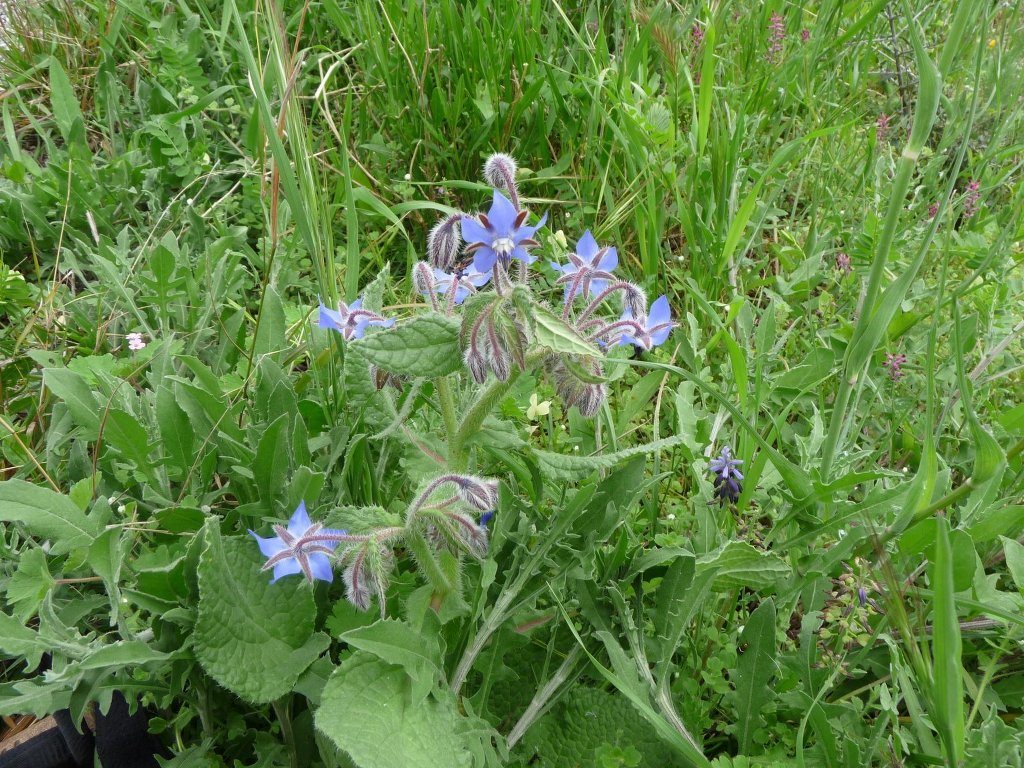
x: 269, y: 547
x: 524, y: 231
x: 587, y: 246
x: 359, y: 329
x: 478, y: 279
x: 300, y: 522
x: 320, y: 565
x: 609, y: 261
x: 502, y: 215
x: 474, y: 232
x: 286, y: 568
x: 484, y: 260
x: 523, y: 255
x: 330, y: 318
x: 659, y: 313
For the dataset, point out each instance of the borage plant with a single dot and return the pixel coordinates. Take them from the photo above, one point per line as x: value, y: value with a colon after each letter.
x: 435, y: 383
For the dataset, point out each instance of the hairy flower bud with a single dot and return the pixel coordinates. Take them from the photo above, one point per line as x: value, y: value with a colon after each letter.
x: 423, y: 278
x: 479, y: 493
x: 501, y: 362
x: 477, y: 365
x: 444, y: 242
x: 357, y: 585
x: 500, y: 172
x: 591, y: 398
x: 471, y: 536
x: 634, y: 300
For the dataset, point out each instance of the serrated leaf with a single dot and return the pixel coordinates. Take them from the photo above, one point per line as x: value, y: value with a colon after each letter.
x: 253, y: 637
x: 19, y: 640
x: 754, y: 669
x: 46, y: 514
x: 121, y: 654
x: 737, y: 564
x: 367, y: 710
x: 27, y: 697
x: 565, y: 467
x: 552, y: 333
x: 29, y: 583
x: 424, y: 347
x: 76, y: 393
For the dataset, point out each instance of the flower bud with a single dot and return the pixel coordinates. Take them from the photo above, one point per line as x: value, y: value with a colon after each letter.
x: 482, y: 494
x: 423, y: 278
x: 444, y: 242
x: 500, y: 172
x: 357, y: 587
x: 477, y: 365
x: 634, y: 301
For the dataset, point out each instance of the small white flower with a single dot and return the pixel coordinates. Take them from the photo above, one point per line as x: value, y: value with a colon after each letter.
x: 408, y: 177
x: 537, y: 409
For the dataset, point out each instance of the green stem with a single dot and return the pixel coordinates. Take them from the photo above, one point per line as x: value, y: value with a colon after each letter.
x: 447, y: 400
x: 458, y: 456
x: 427, y: 561
x: 282, y: 708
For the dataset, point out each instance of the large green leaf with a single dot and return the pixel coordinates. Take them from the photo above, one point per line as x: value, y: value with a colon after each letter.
x: 738, y: 564
x: 367, y: 710
x: 46, y: 514
x: 426, y: 347
x: 253, y: 637
x: 754, y: 669
x: 566, y: 467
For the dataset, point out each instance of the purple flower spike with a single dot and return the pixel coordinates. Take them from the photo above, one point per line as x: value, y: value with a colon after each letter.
x: 655, y: 327
x: 351, y: 320
x: 300, y: 547
x: 728, y: 476
x: 589, y: 268
x: 501, y: 235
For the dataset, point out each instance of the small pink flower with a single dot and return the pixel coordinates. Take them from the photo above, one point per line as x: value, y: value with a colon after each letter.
x: 805, y: 35
x: 776, y: 34
x: 882, y: 128
x: 932, y: 210
x: 697, y: 35
x: 894, y: 364
x: 971, y: 198
x: 135, y: 341
x: 843, y: 263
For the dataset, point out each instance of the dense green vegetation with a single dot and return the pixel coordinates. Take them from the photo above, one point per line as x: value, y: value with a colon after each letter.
x: 828, y: 193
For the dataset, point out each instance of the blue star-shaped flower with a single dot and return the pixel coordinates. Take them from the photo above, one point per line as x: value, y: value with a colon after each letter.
x: 468, y: 282
x: 301, y: 547
x: 589, y: 268
x: 501, y: 234
x: 351, y: 320
x: 656, y: 326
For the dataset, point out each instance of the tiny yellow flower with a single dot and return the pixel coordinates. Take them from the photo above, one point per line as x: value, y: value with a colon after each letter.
x: 536, y: 409
x: 992, y: 43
